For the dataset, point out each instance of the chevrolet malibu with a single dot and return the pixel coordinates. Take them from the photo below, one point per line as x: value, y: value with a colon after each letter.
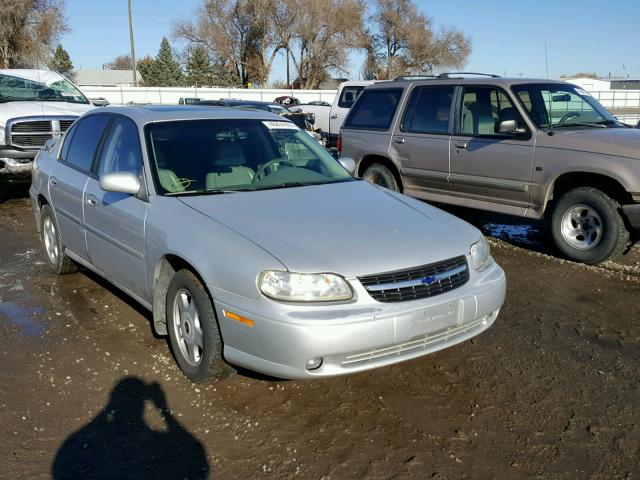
x: 251, y: 245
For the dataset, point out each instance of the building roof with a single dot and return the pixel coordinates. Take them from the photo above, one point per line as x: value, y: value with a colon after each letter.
x: 105, y: 78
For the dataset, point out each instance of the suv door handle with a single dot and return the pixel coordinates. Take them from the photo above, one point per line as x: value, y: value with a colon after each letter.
x: 463, y: 145
x: 333, y: 116
x: 53, y: 181
x: 399, y: 140
x: 92, y: 201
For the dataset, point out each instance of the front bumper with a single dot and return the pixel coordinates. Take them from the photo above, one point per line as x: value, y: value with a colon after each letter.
x: 362, y: 335
x: 16, y: 164
x: 632, y: 212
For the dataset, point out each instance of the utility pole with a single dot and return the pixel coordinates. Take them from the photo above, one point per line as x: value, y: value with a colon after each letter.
x: 288, y: 83
x: 133, y: 50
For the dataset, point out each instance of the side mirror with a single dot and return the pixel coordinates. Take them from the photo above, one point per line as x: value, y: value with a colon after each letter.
x: 509, y: 127
x: 120, y: 182
x: 349, y: 164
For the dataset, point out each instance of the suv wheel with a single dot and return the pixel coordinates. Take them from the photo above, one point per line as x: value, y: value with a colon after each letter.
x: 587, y: 226
x: 379, y: 174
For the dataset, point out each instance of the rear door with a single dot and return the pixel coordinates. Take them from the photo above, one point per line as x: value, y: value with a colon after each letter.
x: 421, y: 139
x: 69, y: 177
x: 114, y: 222
x: 487, y: 166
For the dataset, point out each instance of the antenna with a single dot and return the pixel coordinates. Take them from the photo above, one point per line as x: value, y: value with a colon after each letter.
x: 546, y: 59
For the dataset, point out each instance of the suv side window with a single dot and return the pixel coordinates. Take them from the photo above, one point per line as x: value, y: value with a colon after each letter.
x: 374, y: 109
x: 86, y: 137
x: 349, y: 95
x: 428, y: 110
x: 121, y: 151
x: 483, y: 108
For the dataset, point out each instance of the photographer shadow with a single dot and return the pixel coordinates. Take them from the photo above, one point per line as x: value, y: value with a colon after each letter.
x: 118, y: 443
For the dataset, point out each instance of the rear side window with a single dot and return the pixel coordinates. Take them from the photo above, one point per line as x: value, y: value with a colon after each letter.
x: 349, y: 95
x: 85, y: 140
x: 374, y: 109
x: 428, y: 110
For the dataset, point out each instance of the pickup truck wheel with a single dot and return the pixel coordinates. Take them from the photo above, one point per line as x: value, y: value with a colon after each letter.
x: 193, y: 329
x: 58, y: 262
x: 587, y: 226
x: 379, y: 174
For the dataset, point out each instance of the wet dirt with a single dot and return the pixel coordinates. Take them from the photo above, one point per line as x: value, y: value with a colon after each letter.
x: 551, y: 391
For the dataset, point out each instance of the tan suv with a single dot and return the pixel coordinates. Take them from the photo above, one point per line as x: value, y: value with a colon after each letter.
x: 531, y: 148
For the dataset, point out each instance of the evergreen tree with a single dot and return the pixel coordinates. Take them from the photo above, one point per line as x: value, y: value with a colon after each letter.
x: 167, y: 69
x: 61, y: 62
x: 199, y: 71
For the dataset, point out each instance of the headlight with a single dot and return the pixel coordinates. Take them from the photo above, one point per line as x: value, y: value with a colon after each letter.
x: 2, y: 135
x: 479, y: 253
x: 304, y: 287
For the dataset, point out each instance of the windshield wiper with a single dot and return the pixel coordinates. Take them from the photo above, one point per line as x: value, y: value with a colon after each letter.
x: 580, y: 124
x: 203, y: 191
x: 287, y: 185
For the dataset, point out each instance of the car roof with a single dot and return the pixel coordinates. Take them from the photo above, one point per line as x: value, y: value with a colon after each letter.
x: 143, y: 114
x: 500, y: 81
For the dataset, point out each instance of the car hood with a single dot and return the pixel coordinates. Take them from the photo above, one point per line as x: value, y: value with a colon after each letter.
x: 29, y: 109
x: 623, y: 142
x: 351, y: 228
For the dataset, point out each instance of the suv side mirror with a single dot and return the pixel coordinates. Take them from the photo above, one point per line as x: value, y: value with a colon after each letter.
x: 349, y: 164
x: 120, y: 182
x: 509, y: 127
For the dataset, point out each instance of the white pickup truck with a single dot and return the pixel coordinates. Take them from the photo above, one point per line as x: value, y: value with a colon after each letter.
x: 330, y: 118
x: 35, y: 106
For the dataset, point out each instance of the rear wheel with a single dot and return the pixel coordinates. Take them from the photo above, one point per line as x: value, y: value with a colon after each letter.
x: 58, y: 261
x: 380, y: 174
x: 587, y: 226
x: 193, y: 329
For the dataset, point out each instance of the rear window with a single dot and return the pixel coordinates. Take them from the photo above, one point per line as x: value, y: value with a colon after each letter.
x: 349, y: 95
x: 374, y: 109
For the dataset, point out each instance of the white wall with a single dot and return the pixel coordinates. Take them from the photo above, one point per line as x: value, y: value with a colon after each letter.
x: 169, y: 95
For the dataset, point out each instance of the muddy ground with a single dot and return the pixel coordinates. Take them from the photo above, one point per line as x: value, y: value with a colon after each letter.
x: 551, y: 391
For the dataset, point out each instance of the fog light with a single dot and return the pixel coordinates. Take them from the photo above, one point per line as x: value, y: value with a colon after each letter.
x: 314, y: 363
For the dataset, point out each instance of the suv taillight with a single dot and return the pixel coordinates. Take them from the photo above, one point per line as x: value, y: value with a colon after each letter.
x: 339, y: 142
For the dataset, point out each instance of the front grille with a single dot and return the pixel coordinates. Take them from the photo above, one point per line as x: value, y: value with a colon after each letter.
x: 419, y: 282
x: 33, y: 134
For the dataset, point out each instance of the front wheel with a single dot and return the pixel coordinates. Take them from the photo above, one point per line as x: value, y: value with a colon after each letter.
x: 380, y: 174
x: 586, y: 225
x: 193, y: 329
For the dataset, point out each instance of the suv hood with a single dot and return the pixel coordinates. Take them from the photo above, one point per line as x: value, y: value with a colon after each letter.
x: 623, y: 142
x: 351, y: 228
x: 29, y: 109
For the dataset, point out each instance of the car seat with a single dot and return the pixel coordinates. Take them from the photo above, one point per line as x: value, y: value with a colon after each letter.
x: 478, y: 120
x: 229, y: 166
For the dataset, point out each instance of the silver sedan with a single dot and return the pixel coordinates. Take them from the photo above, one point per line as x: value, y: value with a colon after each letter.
x: 253, y: 247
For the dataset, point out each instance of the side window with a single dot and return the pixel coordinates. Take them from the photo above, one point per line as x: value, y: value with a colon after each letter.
x: 428, y: 110
x: 349, y: 95
x: 121, y: 151
x: 68, y: 137
x: 483, y: 108
x: 374, y: 109
x: 85, y: 140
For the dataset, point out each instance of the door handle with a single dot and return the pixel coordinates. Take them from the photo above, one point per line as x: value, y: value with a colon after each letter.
x: 53, y: 181
x: 92, y: 201
x: 334, y: 116
x: 399, y: 140
x: 462, y: 145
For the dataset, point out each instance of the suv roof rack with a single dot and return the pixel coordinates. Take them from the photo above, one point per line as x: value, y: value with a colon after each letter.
x: 414, y: 77
x: 449, y: 74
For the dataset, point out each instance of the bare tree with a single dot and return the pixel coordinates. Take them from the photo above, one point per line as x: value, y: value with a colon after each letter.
x: 121, y: 62
x: 29, y: 30
x: 405, y: 41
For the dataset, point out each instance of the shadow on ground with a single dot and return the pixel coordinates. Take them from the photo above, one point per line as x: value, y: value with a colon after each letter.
x: 119, y: 444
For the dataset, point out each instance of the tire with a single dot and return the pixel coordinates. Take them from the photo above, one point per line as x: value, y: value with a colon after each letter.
x: 586, y: 225
x: 194, y: 336
x: 380, y: 174
x: 52, y: 246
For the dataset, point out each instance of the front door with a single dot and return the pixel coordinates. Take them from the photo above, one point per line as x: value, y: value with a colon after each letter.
x: 487, y: 166
x: 421, y: 141
x: 114, y: 222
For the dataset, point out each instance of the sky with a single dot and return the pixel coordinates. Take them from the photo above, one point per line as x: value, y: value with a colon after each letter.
x: 509, y: 37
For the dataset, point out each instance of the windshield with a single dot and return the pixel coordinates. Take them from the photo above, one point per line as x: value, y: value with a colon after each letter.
x: 562, y: 105
x: 196, y: 157
x: 18, y: 89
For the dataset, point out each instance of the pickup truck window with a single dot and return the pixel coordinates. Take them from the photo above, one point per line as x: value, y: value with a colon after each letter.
x: 349, y: 95
x: 86, y: 137
x: 374, y: 109
x: 428, y: 110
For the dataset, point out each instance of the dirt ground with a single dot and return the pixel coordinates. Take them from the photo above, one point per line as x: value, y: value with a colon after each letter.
x: 551, y: 391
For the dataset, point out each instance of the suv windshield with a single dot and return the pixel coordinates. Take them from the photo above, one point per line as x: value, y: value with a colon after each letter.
x: 562, y: 105
x: 57, y: 89
x: 199, y: 157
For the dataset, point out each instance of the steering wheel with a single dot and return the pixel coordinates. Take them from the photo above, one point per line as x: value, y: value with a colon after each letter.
x: 180, y: 184
x: 567, y: 116
x: 262, y: 171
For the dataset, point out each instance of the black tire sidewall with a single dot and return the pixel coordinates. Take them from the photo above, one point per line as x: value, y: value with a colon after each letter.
x: 383, y: 171
x: 212, y: 364
x: 612, y: 222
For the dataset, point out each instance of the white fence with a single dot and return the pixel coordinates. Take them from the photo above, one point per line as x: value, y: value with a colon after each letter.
x: 167, y: 95
x: 616, y: 99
